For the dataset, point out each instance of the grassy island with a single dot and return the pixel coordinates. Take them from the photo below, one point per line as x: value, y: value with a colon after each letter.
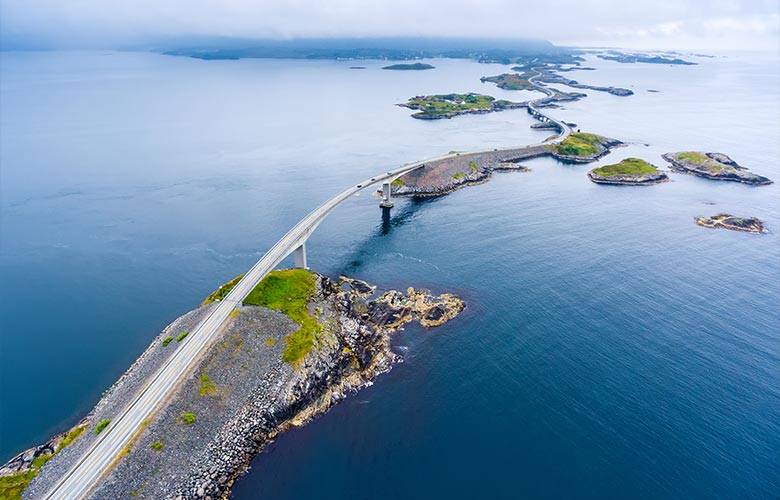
x: 580, y: 144
x: 629, y: 166
x: 510, y: 81
x: 289, y: 291
x: 409, y: 66
x: 628, y: 171
x: 716, y: 166
x: 432, y: 107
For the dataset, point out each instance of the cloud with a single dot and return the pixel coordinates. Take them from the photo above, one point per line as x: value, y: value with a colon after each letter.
x: 640, y: 23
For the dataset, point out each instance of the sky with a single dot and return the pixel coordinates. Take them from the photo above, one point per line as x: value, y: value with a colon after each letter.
x: 638, y: 24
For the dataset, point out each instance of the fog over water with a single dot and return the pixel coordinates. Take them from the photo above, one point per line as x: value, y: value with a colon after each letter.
x: 610, y: 346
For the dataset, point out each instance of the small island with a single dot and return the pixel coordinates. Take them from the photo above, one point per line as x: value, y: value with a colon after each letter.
x: 733, y: 223
x: 582, y: 147
x: 629, y: 172
x: 409, y: 67
x: 716, y: 166
x: 436, y: 107
x: 510, y: 81
x: 624, y: 58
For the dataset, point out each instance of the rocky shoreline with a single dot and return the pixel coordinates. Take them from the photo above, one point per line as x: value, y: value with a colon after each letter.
x: 715, y: 166
x: 242, y: 394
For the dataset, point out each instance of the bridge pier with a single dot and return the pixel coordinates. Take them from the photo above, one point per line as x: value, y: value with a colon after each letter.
x: 387, y: 200
x: 299, y: 256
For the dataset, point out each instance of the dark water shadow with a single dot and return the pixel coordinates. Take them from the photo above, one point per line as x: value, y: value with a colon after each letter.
x: 390, y: 220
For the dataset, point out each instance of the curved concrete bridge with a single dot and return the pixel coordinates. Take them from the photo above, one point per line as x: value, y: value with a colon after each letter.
x: 98, y: 459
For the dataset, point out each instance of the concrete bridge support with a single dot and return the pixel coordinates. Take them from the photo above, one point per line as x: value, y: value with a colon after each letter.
x: 387, y: 200
x: 299, y: 256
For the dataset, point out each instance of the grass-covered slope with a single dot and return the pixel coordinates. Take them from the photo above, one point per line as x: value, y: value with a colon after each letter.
x: 629, y: 166
x: 289, y: 291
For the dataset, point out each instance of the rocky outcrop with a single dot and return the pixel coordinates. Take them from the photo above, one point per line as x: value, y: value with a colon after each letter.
x: 733, y: 223
x: 715, y: 166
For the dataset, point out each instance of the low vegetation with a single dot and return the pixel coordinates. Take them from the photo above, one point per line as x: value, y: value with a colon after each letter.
x: 629, y: 166
x: 167, y: 340
x: 12, y: 486
x: 580, y: 144
x: 289, y: 291
x: 207, y: 386
x: 700, y: 159
x: 473, y: 167
x: 188, y: 418
x: 102, y: 425
x: 398, y: 183
x: 458, y: 176
x: 221, y: 292
x: 157, y: 445
x: 182, y: 336
x: 449, y: 105
x: 510, y: 81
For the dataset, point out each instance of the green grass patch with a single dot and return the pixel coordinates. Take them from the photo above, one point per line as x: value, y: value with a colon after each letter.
x: 629, y: 166
x: 510, y: 81
x: 473, y: 167
x: 458, y: 176
x: 167, y: 340
x: 157, y: 445
x: 102, y: 425
x: 71, y: 436
x: 701, y: 160
x: 694, y: 157
x: 207, y: 386
x: 270, y: 342
x: 11, y: 487
x: 188, y: 418
x: 221, y: 292
x: 398, y: 183
x: 182, y: 336
x: 579, y: 144
x: 289, y: 291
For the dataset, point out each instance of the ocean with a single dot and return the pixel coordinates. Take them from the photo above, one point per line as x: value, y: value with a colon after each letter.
x: 610, y: 347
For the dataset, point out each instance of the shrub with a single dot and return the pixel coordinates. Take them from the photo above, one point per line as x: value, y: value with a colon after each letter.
x: 102, y: 425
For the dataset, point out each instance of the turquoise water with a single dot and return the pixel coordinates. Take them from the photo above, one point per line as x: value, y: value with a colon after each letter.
x: 610, y: 348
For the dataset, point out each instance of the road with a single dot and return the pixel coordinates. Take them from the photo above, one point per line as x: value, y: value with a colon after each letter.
x: 101, y: 455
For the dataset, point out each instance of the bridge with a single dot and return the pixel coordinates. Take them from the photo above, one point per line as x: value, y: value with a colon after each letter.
x: 97, y: 460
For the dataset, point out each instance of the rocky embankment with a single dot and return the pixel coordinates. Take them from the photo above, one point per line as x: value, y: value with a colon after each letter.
x: 733, y: 223
x: 715, y: 166
x: 444, y: 176
x: 243, y: 393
